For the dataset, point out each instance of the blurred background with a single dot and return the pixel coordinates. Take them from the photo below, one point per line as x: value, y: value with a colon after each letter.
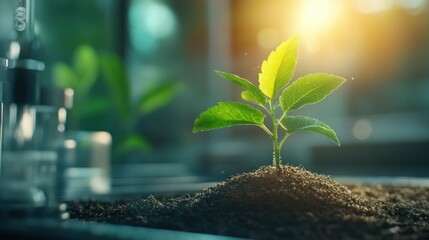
x: 381, y: 115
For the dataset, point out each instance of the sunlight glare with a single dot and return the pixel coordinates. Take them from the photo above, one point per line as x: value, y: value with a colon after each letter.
x: 268, y: 38
x: 316, y: 16
x: 317, y: 19
x: 371, y: 6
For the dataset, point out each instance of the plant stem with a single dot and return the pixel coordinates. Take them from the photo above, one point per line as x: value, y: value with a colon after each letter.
x: 276, y: 157
x: 267, y: 130
x: 283, y: 140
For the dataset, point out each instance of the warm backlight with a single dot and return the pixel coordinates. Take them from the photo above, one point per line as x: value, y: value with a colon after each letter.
x: 316, y: 16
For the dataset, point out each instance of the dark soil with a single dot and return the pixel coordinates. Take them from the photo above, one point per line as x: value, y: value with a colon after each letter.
x: 268, y: 204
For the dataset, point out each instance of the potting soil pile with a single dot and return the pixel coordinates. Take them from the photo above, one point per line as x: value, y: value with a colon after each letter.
x: 289, y: 203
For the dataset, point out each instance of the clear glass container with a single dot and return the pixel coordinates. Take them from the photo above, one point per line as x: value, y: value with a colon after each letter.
x: 86, y: 164
x: 31, y: 168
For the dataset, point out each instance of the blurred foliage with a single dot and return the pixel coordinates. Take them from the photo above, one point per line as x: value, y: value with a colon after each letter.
x: 63, y: 25
x: 87, y: 69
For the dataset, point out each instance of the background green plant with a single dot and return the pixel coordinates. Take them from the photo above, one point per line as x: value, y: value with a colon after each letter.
x: 87, y: 68
x: 276, y: 73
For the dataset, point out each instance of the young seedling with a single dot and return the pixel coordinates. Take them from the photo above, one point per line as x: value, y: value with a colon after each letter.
x: 277, y: 98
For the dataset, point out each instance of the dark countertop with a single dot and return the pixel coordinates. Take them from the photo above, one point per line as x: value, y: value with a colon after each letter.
x: 37, y: 228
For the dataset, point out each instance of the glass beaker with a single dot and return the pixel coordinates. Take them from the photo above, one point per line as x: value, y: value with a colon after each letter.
x: 86, y: 164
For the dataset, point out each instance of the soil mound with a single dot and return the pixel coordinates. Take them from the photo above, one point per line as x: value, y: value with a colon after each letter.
x: 288, y: 190
x: 289, y: 203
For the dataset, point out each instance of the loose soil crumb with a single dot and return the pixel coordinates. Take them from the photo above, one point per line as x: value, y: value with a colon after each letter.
x: 268, y: 204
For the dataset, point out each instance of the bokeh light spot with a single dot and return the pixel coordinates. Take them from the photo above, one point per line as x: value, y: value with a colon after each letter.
x: 412, y: 6
x: 371, y: 6
x: 150, y: 21
x: 362, y: 129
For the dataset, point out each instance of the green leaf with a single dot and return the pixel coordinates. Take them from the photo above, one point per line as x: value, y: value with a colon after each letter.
x: 132, y: 143
x: 301, y: 123
x: 308, y: 90
x: 159, y: 96
x: 278, y: 69
x: 85, y: 62
x: 248, y: 96
x: 115, y: 75
x: 227, y: 114
x: 95, y: 106
x: 253, y: 94
x: 64, y: 76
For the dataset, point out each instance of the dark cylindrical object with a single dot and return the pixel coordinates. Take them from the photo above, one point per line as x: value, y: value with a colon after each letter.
x: 22, y: 86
